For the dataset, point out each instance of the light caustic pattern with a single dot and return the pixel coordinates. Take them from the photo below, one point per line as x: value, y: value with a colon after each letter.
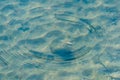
x: 59, y: 40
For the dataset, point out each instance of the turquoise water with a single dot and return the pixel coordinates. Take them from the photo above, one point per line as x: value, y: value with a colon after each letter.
x: 59, y: 40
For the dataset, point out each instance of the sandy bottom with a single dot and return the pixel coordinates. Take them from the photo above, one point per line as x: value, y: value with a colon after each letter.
x: 59, y: 40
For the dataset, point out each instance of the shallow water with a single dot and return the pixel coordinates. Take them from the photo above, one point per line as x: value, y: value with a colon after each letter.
x: 59, y: 40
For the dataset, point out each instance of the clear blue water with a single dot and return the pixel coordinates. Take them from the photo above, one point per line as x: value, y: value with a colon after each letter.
x: 59, y: 40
